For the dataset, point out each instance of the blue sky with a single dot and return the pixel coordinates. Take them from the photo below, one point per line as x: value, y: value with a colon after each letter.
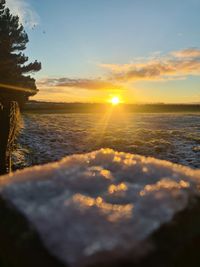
x: 83, y: 43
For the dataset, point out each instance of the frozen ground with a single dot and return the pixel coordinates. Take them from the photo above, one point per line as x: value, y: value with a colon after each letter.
x: 101, y: 205
x: 49, y: 137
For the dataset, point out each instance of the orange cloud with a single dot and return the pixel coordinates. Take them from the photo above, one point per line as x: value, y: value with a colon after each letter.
x: 173, y: 66
x: 187, y: 53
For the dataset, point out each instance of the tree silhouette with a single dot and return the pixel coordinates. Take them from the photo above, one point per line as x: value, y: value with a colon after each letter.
x: 16, y: 84
x: 14, y: 70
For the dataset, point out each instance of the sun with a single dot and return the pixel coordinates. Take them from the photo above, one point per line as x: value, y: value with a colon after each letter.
x: 115, y: 100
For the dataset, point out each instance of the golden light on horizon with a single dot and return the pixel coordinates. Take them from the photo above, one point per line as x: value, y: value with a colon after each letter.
x: 115, y: 101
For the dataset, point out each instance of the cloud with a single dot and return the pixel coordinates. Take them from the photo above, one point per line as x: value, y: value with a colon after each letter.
x: 89, y: 84
x: 24, y: 10
x: 187, y: 53
x: 175, y: 65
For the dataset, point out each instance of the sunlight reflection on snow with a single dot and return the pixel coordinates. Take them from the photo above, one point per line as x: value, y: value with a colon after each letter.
x: 101, y: 201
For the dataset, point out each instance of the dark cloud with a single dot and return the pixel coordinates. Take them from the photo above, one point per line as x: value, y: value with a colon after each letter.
x: 89, y: 84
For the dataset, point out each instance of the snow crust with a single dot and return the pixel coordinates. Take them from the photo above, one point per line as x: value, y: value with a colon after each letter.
x: 101, y: 202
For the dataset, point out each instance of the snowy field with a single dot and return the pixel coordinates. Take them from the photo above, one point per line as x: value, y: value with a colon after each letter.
x: 49, y: 137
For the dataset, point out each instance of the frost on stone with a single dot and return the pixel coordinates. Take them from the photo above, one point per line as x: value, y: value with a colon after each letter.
x: 102, y: 202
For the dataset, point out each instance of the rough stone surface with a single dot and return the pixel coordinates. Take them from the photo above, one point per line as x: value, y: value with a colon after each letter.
x: 101, y: 205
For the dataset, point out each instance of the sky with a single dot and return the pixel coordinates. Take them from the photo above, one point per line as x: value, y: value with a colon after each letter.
x: 144, y: 51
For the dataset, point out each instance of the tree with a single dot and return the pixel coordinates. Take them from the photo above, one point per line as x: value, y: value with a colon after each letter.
x: 15, y: 70
x: 16, y: 85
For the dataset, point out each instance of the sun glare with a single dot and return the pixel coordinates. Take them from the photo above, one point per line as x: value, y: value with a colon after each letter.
x: 115, y: 100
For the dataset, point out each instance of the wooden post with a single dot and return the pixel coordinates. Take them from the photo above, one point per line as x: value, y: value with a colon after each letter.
x: 9, y: 113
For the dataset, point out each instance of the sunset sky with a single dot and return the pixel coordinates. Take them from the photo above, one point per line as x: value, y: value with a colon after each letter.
x: 92, y: 50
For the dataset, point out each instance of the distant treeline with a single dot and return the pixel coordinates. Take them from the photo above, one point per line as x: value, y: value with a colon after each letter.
x: 49, y: 107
